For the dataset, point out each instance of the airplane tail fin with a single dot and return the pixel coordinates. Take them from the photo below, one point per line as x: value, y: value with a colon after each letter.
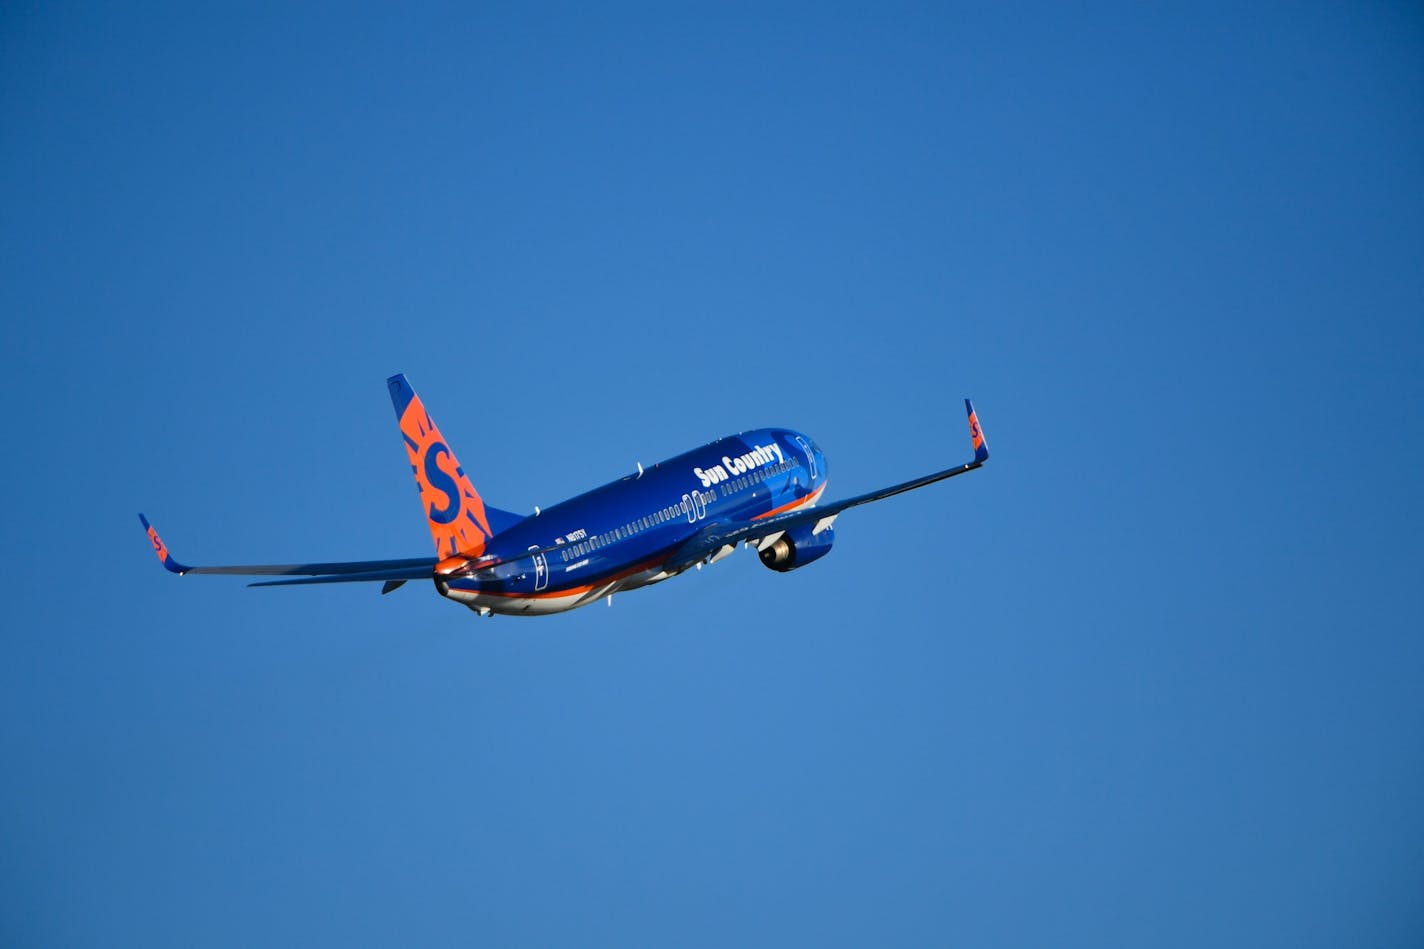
x: 460, y: 522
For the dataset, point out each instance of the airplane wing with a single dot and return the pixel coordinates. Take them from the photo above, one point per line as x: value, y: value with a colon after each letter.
x: 722, y: 535
x: 409, y: 569
x: 352, y: 571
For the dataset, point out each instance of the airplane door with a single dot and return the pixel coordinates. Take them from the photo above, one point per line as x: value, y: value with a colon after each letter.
x: 541, y: 571
x: 810, y: 455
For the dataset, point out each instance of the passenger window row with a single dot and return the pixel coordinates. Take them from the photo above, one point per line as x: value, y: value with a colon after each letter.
x: 672, y: 512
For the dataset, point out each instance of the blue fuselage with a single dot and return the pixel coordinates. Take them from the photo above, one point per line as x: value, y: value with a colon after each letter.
x: 621, y: 535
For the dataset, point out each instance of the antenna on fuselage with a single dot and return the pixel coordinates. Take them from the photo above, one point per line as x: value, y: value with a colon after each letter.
x: 640, y: 468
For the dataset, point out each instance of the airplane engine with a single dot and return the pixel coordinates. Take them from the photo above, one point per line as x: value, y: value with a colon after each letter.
x: 797, y: 547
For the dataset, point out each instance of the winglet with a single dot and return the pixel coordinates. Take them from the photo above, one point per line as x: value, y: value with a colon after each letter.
x: 981, y: 447
x: 160, y: 548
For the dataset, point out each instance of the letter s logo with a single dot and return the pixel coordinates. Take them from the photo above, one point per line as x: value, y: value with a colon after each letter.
x: 440, y: 481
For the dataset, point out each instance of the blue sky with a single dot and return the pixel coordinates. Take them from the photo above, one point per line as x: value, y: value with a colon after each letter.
x: 1152, y: 677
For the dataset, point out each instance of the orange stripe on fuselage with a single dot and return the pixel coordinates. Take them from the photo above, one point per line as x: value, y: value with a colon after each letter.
x: 811, y: 498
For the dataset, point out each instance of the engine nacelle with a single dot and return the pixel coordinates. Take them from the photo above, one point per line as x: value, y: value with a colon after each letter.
x: 797, y: 547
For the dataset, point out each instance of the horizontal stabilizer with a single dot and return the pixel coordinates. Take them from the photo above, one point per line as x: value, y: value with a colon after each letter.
x: 409, y: 573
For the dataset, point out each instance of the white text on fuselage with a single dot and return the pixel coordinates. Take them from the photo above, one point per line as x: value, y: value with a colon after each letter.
x: 759, y: 456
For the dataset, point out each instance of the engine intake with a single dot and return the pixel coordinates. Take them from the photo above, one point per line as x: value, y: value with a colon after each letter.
x: 797, y: 547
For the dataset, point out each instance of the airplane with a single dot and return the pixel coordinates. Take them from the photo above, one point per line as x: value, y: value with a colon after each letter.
x: 760, y: 488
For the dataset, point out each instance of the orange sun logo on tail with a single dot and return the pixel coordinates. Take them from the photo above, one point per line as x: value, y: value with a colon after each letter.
x: 452, y: 505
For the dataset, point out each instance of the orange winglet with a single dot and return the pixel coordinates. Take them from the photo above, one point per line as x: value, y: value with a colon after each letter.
x: 976, y: 434
x: 161, y: 549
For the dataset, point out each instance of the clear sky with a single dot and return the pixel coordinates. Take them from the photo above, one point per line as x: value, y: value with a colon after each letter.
x: 1152, y: 677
